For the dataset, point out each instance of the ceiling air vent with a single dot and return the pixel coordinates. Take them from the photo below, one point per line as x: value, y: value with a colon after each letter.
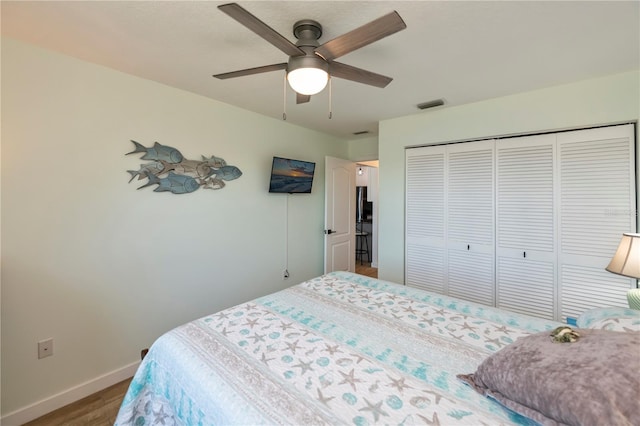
x: 362, y: 132
x: 431, y: 104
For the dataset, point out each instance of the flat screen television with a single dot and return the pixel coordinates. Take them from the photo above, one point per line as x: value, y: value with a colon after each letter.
x: 291, y: 176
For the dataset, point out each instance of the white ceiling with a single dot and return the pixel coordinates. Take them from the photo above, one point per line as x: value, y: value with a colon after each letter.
x: 459, y: 51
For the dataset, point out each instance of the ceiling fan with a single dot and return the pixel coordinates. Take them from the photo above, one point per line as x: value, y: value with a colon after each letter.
x: 311, y: 64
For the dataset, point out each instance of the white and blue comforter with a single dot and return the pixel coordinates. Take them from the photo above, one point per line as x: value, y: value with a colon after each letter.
x: 338, y: 349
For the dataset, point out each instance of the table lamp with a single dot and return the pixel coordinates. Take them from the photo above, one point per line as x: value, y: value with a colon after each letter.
x: 626, y: 262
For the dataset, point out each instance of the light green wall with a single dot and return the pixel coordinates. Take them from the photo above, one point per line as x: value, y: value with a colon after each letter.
x: 103, y: 268
x: 363, y: 149
x: 606, y: 100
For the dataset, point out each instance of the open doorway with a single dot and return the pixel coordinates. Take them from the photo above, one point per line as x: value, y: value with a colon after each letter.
x: 366, y: 246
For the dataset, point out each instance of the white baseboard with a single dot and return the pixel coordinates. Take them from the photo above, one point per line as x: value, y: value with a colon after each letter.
x: 68, y: 396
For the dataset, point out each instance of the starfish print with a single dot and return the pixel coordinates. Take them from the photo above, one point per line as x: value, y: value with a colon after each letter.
x: 434, y: 419
x: 409, y: 309
x: 399, y: 384
x: 304, y: 366
x: 160, y: 416
x: 378, y: 304
x: 257, y: 337
x: 265, y: 359
x: 222, y: 315
x: 251, y: 323
x: 456, y: 337
x: 466, y: 326
x: 285, y: 326
x: 132, y: 418
x: 324, y: 399
x: 332, y: 349
x: 503, y: 329
x: 428, y: 321
x: 350, y: 378
x: 293, y: 346
x: 439, y: 312
x: 224, y: 332
x: 376, y: 409
x: 250, y: 307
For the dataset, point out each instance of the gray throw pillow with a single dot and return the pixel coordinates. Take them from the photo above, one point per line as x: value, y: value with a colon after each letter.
x: 593, y: 381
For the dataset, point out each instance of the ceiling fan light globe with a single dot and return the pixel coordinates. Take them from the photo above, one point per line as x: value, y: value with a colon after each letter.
x: 308, y: 81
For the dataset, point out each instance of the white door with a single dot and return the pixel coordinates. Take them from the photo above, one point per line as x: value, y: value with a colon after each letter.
x: 526, y: 249
x: 425, y: 239
x: 469, y: 221
x: 340, y: 215
x: 597, y: 203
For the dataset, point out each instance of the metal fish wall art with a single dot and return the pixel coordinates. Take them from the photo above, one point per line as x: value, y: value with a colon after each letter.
x: 170, y: 171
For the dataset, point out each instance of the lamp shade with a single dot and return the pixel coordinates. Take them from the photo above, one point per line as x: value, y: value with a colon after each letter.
x: 308, y: 74
x: 626, y: 261
x: 307, y: 81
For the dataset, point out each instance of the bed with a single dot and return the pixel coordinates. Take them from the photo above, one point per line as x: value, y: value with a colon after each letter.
x: 338, y: 349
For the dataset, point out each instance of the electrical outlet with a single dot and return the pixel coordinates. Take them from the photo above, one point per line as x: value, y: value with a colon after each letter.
x: 45, y: 348
x: 285, y: 274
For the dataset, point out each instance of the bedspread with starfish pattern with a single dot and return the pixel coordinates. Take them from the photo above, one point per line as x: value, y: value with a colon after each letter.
x: 338, y: 349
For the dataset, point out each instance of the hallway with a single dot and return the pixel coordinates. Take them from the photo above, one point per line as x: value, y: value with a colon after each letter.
x: 366, y: 269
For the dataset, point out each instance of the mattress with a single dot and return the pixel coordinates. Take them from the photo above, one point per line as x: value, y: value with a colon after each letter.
x: 337, y: 349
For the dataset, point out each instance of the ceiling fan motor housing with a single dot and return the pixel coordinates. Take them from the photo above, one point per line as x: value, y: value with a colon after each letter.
x: 307, y: 31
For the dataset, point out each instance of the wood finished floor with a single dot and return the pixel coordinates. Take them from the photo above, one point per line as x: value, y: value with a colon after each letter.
x: 101, y: 408
x: 366, y: 269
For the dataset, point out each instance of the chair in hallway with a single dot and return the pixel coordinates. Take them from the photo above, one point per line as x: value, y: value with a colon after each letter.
x: 362, y: 245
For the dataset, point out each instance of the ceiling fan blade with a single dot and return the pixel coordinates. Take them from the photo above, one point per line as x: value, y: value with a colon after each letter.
x: 251, y: 71
x: 302, y: 99
x: 362, y: 36
x: 340, y: 70
x: 241, y: 15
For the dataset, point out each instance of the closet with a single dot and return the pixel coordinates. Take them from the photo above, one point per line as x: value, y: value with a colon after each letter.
x: 526, y: 224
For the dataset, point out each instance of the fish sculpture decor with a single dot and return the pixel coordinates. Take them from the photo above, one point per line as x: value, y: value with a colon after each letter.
x: 170, y: 171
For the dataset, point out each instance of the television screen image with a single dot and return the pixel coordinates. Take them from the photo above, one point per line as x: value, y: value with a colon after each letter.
x: 291, y: 176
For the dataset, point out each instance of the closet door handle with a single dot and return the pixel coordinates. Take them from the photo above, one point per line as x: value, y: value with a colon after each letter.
x: 468, y: 247
x: 524, y: 254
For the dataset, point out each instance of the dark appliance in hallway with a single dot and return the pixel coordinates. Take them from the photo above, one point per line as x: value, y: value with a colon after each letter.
x: 364, y: 215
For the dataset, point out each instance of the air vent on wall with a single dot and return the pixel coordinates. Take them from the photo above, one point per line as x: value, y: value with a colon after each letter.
x: 431, y: 104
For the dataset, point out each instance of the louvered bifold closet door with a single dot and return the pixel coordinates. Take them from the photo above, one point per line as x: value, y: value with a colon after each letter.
x: 425, y: 218
x: 470, y: 222
x: 525, y: 225
x: 597, y: 204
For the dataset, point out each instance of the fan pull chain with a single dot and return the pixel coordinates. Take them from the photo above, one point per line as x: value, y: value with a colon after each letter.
x: 330, y: 100
x: 284, y: 98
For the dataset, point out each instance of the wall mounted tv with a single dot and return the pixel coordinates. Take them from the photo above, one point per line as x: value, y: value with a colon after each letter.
x: 291, y: 176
